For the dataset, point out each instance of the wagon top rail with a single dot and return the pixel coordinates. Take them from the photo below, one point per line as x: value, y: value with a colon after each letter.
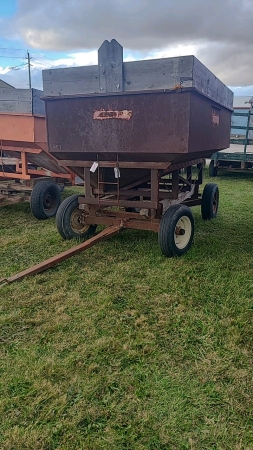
x: 21, y: 101
x: 113, y: 76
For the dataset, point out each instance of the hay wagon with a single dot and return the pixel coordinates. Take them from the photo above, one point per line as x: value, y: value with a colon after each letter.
x: 137, y: 133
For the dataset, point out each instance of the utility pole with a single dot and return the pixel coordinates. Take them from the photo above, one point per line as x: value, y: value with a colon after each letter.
x: 29, y: 69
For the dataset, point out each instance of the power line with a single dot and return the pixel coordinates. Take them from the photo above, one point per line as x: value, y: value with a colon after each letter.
x: 34, y: 74
x: 41, y: 54
x: 8, y: 48
x: 16, y: 67
x: 42, y: 62
x: 9, y: 57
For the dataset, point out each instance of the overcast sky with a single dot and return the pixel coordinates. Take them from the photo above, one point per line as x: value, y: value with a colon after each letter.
x: 218, y: 32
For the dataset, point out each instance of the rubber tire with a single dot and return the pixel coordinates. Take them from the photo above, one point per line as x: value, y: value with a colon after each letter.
x: 213, y: 171
x: 37, y: 200
x: 207, y: 204
x: 63, y: 219
x: 166, y: 233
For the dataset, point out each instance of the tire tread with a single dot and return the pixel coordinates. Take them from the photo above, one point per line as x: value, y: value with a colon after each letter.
x: 207, y: 201
x: 167, y: 227
x: 36, y: 200
x: 62, y: 224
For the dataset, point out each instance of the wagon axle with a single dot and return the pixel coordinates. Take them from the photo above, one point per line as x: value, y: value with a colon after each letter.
x: 179, y: 231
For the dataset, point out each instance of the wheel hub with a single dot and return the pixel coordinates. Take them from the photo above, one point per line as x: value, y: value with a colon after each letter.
x: 179, y: 231
x: 77, y: 222
x: 182, y: 233
x: 48, y: 201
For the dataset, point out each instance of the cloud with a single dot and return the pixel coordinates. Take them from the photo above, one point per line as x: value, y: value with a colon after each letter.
x: 138, y: 24
x: 79, y: 59
x: 19, y: 77
x: 232, y: 62
x: 219, y: 32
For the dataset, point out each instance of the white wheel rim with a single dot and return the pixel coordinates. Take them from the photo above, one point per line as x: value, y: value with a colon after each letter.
x: 182, y: 233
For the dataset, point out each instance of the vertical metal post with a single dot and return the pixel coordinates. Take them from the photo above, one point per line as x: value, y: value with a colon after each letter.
x: 154, y: 191
x: 175, y: 183
x: 24, y: 163
x: 200, y: 173
x: 118, y: 180
x: 189, y: 173
x: 29, y: 69
x: 154, y: 186
x: 247, y: 135
x: 87, y: 182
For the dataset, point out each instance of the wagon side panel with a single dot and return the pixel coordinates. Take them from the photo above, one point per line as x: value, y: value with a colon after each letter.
x: 152, y: 127
x: 209, y: 126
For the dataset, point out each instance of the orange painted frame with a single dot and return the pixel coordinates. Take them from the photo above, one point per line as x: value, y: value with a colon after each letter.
x: 24, y: 134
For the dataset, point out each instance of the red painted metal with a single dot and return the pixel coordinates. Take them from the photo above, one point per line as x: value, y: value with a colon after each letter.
x: 24, y: 137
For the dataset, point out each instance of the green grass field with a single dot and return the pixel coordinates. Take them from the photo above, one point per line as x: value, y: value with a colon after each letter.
x: 122, y: 348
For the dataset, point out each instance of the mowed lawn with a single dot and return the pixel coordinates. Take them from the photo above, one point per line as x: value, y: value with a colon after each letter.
x: 122, y: 348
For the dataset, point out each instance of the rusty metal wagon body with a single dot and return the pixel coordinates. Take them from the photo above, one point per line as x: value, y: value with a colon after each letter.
x: 134, y: 132
x: 24, y: 159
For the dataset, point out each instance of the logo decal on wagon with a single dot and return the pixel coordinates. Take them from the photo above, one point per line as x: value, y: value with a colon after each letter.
x: 110, y: 114
x: 216, y: 117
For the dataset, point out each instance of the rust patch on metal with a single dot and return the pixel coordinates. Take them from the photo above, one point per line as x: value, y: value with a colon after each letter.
x: 215, y: 118
x: 178, y: 87
x: 102, y: 115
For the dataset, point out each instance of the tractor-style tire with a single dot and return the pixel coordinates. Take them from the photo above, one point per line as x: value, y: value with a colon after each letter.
x: 45, y: 200
x: 68, y: 220
x: 176, y: 231
x: 210, y: 201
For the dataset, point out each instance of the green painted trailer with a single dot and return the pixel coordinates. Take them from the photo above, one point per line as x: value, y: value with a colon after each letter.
x: 241, y: 141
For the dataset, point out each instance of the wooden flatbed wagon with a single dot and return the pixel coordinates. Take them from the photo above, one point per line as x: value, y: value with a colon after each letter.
x: 27, y: 170
x: 134, y: 131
